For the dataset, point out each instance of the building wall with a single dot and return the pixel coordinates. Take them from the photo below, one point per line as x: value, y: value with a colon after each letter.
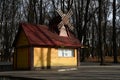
x: 22, y: 58
x: 22, y: 40
x: 44, y: 57
x: 21, y: 55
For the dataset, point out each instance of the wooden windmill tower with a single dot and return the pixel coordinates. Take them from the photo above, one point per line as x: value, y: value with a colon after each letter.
x: 65, y: 24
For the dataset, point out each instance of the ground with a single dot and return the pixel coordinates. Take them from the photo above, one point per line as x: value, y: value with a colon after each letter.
x: 107, y: 59
x: 86, y: 71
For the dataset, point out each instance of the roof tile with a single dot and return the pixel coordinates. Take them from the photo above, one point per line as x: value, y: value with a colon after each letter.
x: 40, y: 35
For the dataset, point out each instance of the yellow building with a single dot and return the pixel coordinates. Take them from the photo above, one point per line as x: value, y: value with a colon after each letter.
x: 37, y: 47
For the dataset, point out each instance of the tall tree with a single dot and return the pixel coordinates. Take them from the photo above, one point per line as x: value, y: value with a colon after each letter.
x: 69, y: 2
x: 41, y: 12
x: 100, y: 32
x: 114, y: 33
x: 8, y: 26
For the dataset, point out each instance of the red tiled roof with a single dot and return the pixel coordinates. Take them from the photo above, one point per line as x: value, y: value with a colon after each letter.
x: 40, y: 35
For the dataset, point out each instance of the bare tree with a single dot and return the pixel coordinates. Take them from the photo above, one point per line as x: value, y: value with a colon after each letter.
x: 9, y: 18
x: 90, y: 20
x: 114, y: 33
x: 100, y: 32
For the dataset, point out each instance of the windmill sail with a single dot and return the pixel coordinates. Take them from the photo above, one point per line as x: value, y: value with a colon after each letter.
x: 65, y: 21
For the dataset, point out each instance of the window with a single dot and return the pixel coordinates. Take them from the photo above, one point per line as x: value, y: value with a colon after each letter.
x: 65, y: 52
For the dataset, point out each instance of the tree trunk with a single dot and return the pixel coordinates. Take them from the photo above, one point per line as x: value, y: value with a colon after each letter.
x: 40, y: 12
x: 100, y: 33
x: 70, y: 2
x: 114, y: 33
x: 31, y: 12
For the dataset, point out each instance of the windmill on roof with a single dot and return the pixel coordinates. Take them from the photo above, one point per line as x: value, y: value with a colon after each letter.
x: 65, y: 24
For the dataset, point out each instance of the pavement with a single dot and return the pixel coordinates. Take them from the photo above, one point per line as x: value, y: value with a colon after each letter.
x: 86, y: 71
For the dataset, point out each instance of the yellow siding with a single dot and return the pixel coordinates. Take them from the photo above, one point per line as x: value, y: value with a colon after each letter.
x: 64, y: 61
x: 22, y: 40
x: 22, y: 58
x: 49, y: 57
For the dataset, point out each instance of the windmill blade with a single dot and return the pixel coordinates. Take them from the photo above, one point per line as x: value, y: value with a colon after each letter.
x: 70, y: 26
x: 60, y: 24
x: 60, y: 12
x: 70, y: 13
x: 65, y: 20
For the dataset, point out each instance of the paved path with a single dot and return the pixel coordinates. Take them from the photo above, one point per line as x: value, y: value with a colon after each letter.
x: 83, y: 72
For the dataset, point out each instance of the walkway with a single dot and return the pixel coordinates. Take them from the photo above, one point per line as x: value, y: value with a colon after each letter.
x: 83, y: 72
